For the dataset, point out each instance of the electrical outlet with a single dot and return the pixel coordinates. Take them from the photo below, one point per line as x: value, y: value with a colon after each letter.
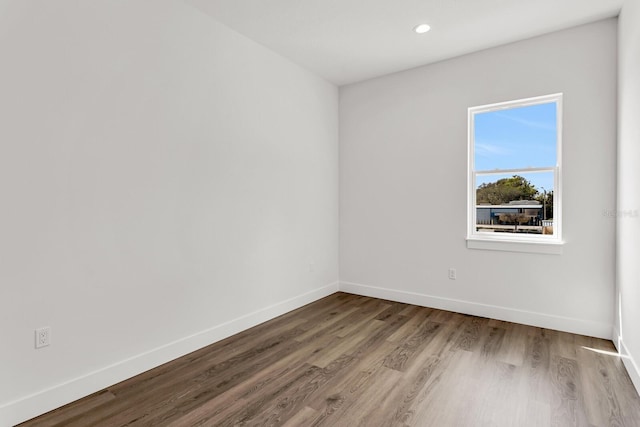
x: 312, y: 267
x: 43, y: 337
x: 452, y: 274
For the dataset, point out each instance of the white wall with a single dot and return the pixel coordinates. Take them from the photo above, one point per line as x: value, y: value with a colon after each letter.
x: 627, y: 325
x: 403, y: 160
x: 165, y: 182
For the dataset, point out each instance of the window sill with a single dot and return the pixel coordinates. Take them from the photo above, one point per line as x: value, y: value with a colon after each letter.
x: 550, y: 247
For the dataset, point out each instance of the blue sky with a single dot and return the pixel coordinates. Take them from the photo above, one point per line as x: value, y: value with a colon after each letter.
x: 517, y: 138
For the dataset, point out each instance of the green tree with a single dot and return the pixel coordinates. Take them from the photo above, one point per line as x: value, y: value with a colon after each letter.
x: 506, y: 190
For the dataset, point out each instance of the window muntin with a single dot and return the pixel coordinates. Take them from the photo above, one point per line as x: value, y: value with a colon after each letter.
x: 514, y: 170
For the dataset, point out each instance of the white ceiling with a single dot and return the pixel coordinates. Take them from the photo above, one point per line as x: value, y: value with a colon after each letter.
x: 346, y: 41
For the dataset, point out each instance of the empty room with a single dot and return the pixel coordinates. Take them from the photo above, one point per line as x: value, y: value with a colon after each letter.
x: 319, y: 213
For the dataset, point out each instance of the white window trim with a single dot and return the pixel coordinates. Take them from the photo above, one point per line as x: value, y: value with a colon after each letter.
x: 512, y: 242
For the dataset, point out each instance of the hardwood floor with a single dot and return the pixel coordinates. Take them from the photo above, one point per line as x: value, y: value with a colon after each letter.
x: 350, y: 361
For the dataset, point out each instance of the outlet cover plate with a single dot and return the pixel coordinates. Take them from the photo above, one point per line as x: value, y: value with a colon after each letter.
x: 43, y: 337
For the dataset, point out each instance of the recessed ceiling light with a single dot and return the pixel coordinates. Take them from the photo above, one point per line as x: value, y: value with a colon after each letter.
x: 422, y: 28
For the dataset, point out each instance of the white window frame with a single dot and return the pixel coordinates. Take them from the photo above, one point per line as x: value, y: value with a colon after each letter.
x: 551, y: 244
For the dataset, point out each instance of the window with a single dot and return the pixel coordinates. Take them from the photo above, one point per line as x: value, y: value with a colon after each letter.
x: 514, y: 191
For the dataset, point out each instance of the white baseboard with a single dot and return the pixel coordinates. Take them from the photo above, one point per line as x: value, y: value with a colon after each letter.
x: 39, y: 403
x: 628, y: 360
x: 541, y: 320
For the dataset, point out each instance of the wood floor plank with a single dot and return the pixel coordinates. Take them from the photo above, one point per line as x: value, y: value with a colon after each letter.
x: 393, y: 310
x: 284, y: 390
x: 415, y: 319
x: 535, y: 373
x: 566, y: 407
x: 469, y: 339
x: 209, y: 414
x: 349, y: 360
x: 299, y: 393
x: 350, y: 386
x: 303, y: 417
x: 602, y: 405
x: 375, y: 338
x: 329, y: 320
x: 493, y: 341
x: 77, y: 409
x: 343, y: 345
x: 402, y: 355
x: 514, y: 344
x: 364, y: 393
x: 261, y: 383
x: 395, y: 408
x: 443, y: 400
x: 360, y: 319
x: 499, y: 383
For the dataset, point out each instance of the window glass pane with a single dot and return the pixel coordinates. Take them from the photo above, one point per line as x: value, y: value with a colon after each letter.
x: 514, y: 138
x: 515, y: 203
